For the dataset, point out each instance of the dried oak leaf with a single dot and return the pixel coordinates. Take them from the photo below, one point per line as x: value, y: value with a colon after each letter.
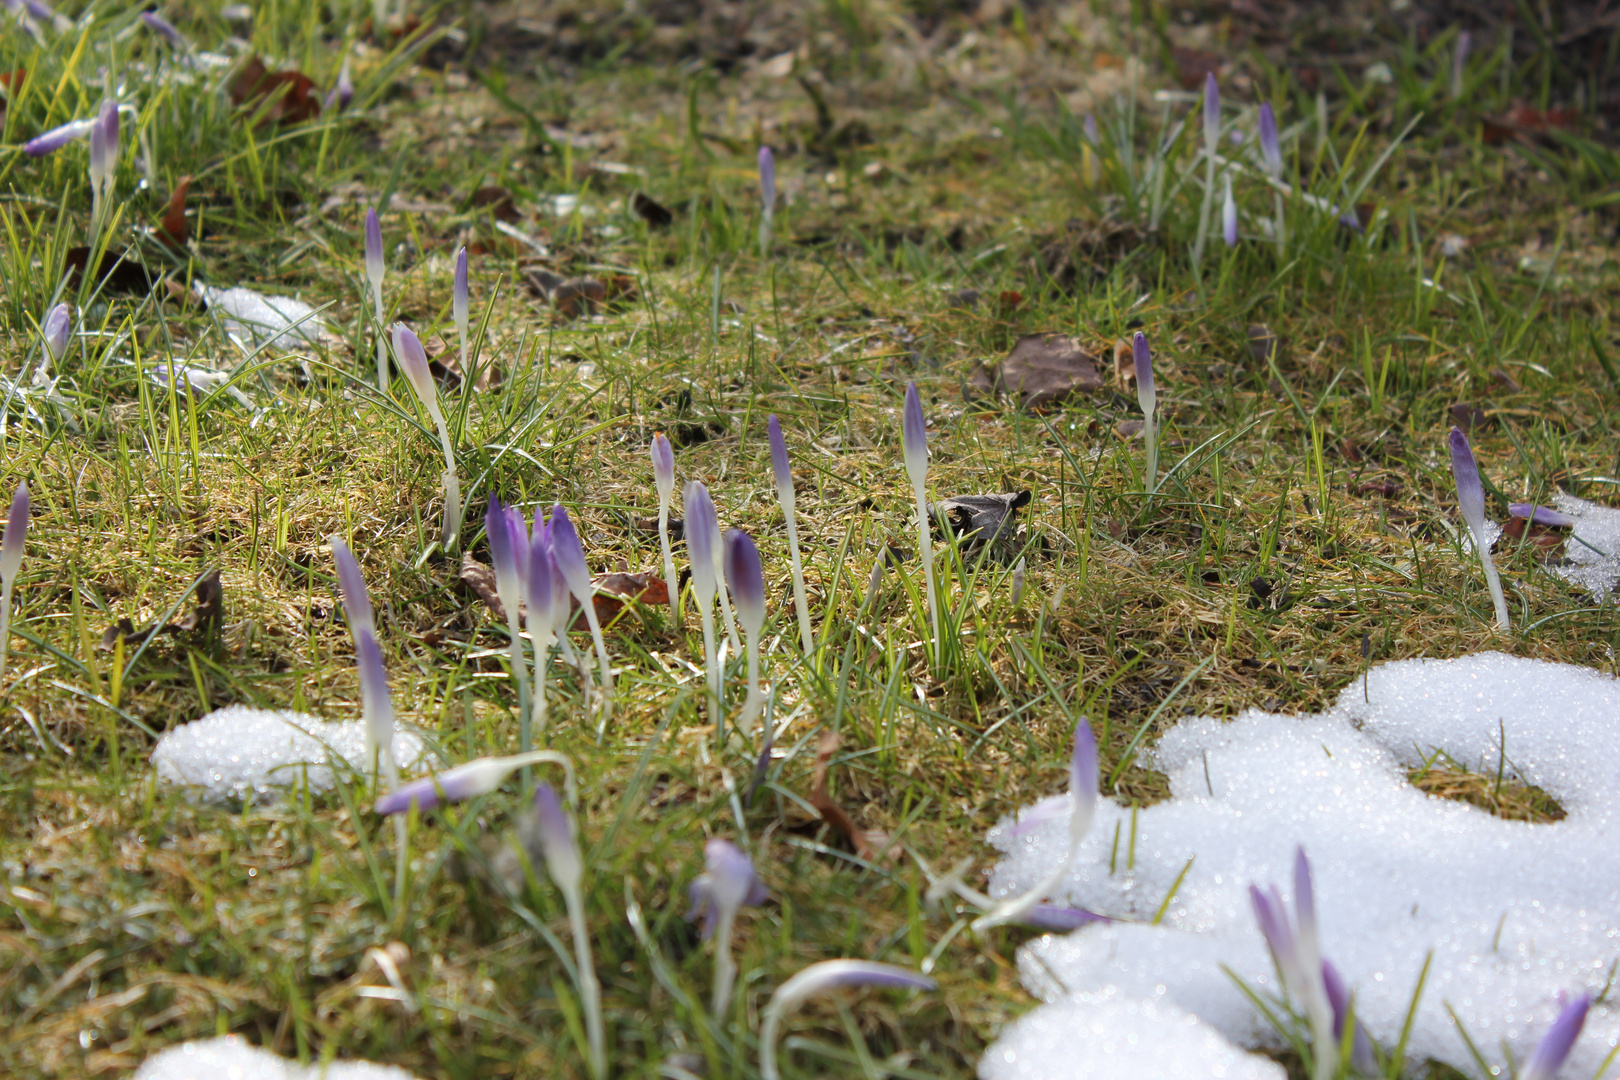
x: 1548, y: 540
x: 1044, y: 369
x: 868, y: 843
x: 285, y: 96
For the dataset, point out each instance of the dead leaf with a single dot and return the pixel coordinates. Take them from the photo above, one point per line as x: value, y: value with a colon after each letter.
x: 498, y: 201
x: 444, y: 363
x: 208, y: 610
x: 481, y: 580
x: 1548, y: 540
x: 866, y: 842
x: 1124, y: 366
x: 612, y: 592
x: 1523, y: 122
x: 285, y: 96
x: 963, y: 298
x: 174, y: 229
x: 1010, y: 301
x: 579, y: 296
x: 677, y: 528
x: 13, y: 78
x: 1263, y: 344
x: 1194, y: 65
x: 1468, y: 416
x: 1504, y: 382
x: 653, y: 212
x: 980, y: 520
x: 118, y: 274
x: 1386, y: 488
x: 1043, y: 370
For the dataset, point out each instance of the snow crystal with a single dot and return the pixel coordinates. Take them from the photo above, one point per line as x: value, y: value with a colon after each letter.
x: 1514, y: 914
x: 229, y: 1058
x: 1103, y: 1037
x: 237, y: 752
x: 1592, y: 553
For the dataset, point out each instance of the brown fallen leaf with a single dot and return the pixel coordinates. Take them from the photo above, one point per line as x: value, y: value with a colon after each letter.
x: 868, y: 843
x: 498, y: 201
x: 1043, y: 370
x: 1468, y: 416
x: 612, y: 592
x: 208, y: 610
x: 1385, y: 488
x: 1523, y: 122
x: 174, y: 230
x: 285, y: 96
x: 578, y: 296
x: 650, y: 210
x: 1124, y: 366
x: 116, y: 273
x: 1263, y: 344
x: 980, y: 520
x: 1548, y: 540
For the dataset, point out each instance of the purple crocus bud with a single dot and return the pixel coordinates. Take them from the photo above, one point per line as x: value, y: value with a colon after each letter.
x: 98, y: 157
x: 1212, y: 114
x: 11, y: 544
x: 1305, y: 912
x: 728, y: 883
x: 780, y: 468
x: 468, y: 780
x: 1459, y: 62
x: 1270, y: 148
x: 1146, y: 393
x: 819, y: 979
x: 459, y: 302
x: 413, y: 359
x: 570, y: 555
x: 767, y: 178
x: 745, y: 581
x: 543, y: 591
x: 376, y: 705
x: 1229, y: 214
x: 1556, y: 1044
x: 1090, y: 127
x: 556, y: 836
x: 58, y: 325
x: 58, y: 137
x: 504, y: 555
x: 1362, y: 1059
x: 374, y: 250
x: 663, y: 461
x: 1272, y: 917
x: 163, y: 26
x: 1541, y: 515
x: 343, y: 92
x: 1082, y: 782
x: 1470, y: 492
x: 356, y: 600
x: 702, y: 527
x: 1056, y: 919
x: 915, y: 431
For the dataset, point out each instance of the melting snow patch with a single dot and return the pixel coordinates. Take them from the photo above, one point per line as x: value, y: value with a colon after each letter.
x: 1514, y: 914
x: 229, y: 1058
x: 237, y: 753
x: 1592, y: 555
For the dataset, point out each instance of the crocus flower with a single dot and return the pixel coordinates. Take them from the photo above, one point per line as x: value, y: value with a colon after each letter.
x: 727, y: 883
x: 570, y: 556
x: 343, y: 92
x: 1229, y: 213
x: 459, y: 306
x: 1556, y: 1044
x: 914, y: 430
x: 1089, y: 125
x: 556, y: 835
x: 507, y: 548
x: 767, y: 195
x: 1082, y: 807
x: 164, y: 27
x: 11, y: 553
x: 1362, y: 1058
x: 58, y: 137
x: 701, y: 530
x: 468, y: 780
x: 375, y: 269
x: 1459, y: 62
x: 1270, y: 147
x: 414, y: 362
x: 1296, y: 951
x: 783, y: 473
x: 663, y: 461
x: 1058, y: 919
x: 1212, y: 115
x: 1471, y: 501
x: 58, y: 325
x: 103, y: 162
x: 1541, y: 515
x: 1147, y: 396
x: 547, y: 597
x: 747, y: 585
x: 819, y: 979
x: 376, y: 706
x: 1018, y: 576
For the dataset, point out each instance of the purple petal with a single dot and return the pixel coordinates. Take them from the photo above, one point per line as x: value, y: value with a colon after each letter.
x: 413, y: 359
x: 356, y: 600
x: 570, y: 555
x: 1470, y: 492
x: 542, y: 591
x: 58, y: 137
x: 702, y: 529
x: 915, y: 431
x: 767, y: 177
x: 1268, y: 912
x: 343, y: 92
x: 745, y: 581
x: 163, y: 26
x: 1556, y: 1044
x: 780, y: 466
x: 376, y: 704
x: 1229, y: 215
x: 836, y: 974
x: 11, y: 544
x: 663, y: 459
x: 1212, y: 113
x: 109, y: 130
x: 477, y: 777
x: 58, y: 326
x: 1146, y: 392
x: 1362, y: 1057
x: 1082, y: 779
x: 1270, y: 147
x: 1057, y: 919
x: 732, y: 879
x: 1304, y: 896
x: 701, y: 894
x: 1541, y: 515
x: 374, y: 249
x: 504, y: 555
x: 458, y: 289
x: 1089, y: 125
x: 556, y: 835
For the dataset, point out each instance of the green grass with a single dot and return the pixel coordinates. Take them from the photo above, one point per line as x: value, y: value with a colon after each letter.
x: 131, y: 919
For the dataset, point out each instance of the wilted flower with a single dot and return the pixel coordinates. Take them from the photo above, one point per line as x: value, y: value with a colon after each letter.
x: 1471, y: 501
x: 557, y: 844
x: 11, y: 554
x: 914, y: 432
x: 570, y: 556
x: 782, y: 471
x: 468, y: 780
x: 819, y: 979
x: 663, y: 461
x: 717, y: 894
x: 58, y: 325
x: 414, y: 362
x: 1555, y: 1045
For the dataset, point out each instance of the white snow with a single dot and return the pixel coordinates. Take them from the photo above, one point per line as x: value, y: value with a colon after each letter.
x: 1104, y: 1037
x: 237, y: 752
x: 1514, y: 914
x: 229, y: 1058
x: 1592, y: 553
x: 266, y: 320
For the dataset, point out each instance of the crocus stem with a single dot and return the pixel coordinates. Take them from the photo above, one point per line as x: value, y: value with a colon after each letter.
x: 1150, y: 434
x: 382, y: 345
x: 755, y: 700
x: 711, y: 661
x: 925, y: 547
x: 730, y: 619
x: 765, y: 223
x: 799, y: 602
x: 590, y: 992
x: 450, y: 535
x: 525, y: 736
x: 725, y: 968
x: 670, y: 580
x: 5, y: 625
x: 1488, y: 564
x: 542, y: 661
x: 401, y: 863
x: 607, y: 667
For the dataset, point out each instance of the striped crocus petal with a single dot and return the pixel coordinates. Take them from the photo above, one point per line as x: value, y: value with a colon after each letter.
x: 58, y: 325
x: 1555, y: 1045
x: 767, y: 177
x: 376, y: 704
x: 413, y: 359
x: 1212, y: 113
x: 781, y: 469
x: 477, y: 777
x: 11, y: 545
x: 1082, y: 781
x: 745, y: 581
x: 374, y: 249
x: 663, y: 460
x: 1270, y: 146
x: 556, y: 836
x: 356, y: 600
x: 915, y: 431
x: 837, y: 974
x: 1541, y: 515
x: 58, y: 137
x: 163, y: 26
x: 1146, y: 393
x: 503, y: 555
x: 459, y: 301
x: 1362, y: 1058
x: 1229, y: 214
x: 701, y: 527
x: 541, y: 590
x: 570, y: 555
x: 1470, y: 492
